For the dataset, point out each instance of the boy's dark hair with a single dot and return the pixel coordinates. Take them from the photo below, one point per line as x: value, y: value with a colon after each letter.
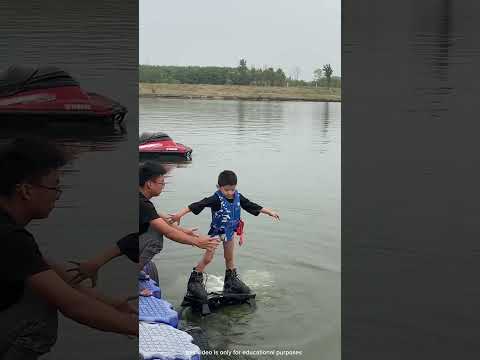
x: 150, y: 170
x: 28, y: 159
x: 227, y: 177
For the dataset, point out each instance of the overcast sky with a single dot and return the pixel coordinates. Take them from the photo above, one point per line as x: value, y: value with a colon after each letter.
x: 276, y: 33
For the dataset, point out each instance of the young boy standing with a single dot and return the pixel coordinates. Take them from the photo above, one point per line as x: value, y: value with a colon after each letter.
x: 226, y: 204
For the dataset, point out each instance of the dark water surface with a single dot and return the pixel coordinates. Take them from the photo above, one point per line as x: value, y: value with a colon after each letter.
x: 410, y: 175
x: 97, y: 44
x: 287, y: 157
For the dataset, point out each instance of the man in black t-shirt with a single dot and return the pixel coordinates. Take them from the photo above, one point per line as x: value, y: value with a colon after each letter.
x: 33, y: 288
x: 151, y: 229
x: 153, y: 226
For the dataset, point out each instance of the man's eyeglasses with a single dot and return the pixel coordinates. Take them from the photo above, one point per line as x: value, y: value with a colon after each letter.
x: 57, y: 189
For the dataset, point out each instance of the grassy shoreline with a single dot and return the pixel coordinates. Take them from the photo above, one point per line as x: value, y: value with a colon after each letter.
x: 238, y: 92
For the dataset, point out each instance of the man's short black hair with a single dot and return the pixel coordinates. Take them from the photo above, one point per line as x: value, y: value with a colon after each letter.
x: 227, y: 177
x: 150, y: 170
x: 27, y: 160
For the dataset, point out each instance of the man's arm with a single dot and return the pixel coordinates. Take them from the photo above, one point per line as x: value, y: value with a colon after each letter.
x: 89, y: 268
x: 119, y: 304
x: 201, y: 241
x: 80, y: 307
x: 161, y: 226
x: 172, y: 222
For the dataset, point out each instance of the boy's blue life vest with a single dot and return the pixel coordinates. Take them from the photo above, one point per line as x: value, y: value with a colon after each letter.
x: 225, y: 220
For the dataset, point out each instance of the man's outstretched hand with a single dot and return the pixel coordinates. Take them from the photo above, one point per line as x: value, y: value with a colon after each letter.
x: 85, y: 270
x: 206, y: 242
x: 191, y: 232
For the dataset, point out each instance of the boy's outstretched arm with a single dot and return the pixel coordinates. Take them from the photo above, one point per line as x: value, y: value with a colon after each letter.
x: 270, y: 212
x: 256, y: 209
x: 177, y: 216
x: 89, y: 269
x: 196, y: 208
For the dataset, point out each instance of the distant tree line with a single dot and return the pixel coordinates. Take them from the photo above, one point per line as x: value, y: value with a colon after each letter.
x: 335, y: 82
x: 240, y: 75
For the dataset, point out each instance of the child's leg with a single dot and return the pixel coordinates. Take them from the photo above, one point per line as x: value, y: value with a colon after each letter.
x: 228, y: 254
x: 206, y: 259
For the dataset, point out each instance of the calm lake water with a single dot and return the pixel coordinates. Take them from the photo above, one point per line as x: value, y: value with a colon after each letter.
x: 287, y: 157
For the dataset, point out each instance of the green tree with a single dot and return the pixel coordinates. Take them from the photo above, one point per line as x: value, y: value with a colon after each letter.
x: 243, y: 73
x: 328, y: 71
x: 243, y: 64
x: 280, y: 78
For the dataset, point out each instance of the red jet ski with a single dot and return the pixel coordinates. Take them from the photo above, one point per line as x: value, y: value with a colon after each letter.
x: 49, y: 93
x: 161, y: 144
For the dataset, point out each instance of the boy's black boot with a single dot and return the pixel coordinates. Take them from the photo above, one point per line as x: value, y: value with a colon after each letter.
x: 233, y: 284
x: 196, y: 288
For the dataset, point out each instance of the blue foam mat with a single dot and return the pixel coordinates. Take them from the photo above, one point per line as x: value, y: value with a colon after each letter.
x: 152, y: 309
x: 163, y: 342
x: 150, y: 285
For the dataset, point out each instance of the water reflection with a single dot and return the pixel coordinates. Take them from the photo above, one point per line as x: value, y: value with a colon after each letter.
x: 266, y: 118
x: 433, y: 38
x: 241, y: 112
x: 170, y: 162
x: 323, y: 124
x: 325, y: 118
x: 83, y: 138
x: 431, y: 44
